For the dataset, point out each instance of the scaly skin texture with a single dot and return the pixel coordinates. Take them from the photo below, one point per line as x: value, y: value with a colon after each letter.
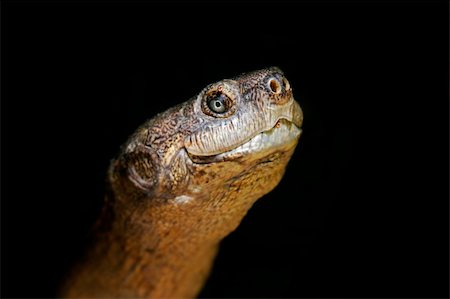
x: 182, y: 182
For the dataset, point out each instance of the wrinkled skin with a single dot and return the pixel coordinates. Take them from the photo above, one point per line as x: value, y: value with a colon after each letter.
x: 182, y: 182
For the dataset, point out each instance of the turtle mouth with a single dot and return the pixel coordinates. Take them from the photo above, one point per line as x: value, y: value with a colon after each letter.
x: 283, y: 135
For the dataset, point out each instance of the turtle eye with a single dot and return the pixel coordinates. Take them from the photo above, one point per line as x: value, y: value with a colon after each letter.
x: 217, y: 103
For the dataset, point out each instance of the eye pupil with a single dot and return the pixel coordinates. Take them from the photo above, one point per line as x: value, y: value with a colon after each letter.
x: 218, y: 104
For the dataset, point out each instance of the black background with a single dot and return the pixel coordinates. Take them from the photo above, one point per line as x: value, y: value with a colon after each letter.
x: 363, y: 208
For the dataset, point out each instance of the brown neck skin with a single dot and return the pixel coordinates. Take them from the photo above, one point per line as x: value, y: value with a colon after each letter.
x: 140, y: 257
x: 150, y: 249
x: 146, y: 248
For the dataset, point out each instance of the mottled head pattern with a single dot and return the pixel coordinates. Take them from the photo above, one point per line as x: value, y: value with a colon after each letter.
x: 222, y: 149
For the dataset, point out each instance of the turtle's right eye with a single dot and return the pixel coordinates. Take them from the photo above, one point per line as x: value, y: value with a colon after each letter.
x: 217, y: 104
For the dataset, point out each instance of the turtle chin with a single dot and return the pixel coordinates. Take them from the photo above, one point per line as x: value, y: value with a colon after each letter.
x: 282, y: 137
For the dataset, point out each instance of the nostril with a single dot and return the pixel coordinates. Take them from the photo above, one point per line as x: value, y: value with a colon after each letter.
x: 286, y: 84
x: 275, y: 86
